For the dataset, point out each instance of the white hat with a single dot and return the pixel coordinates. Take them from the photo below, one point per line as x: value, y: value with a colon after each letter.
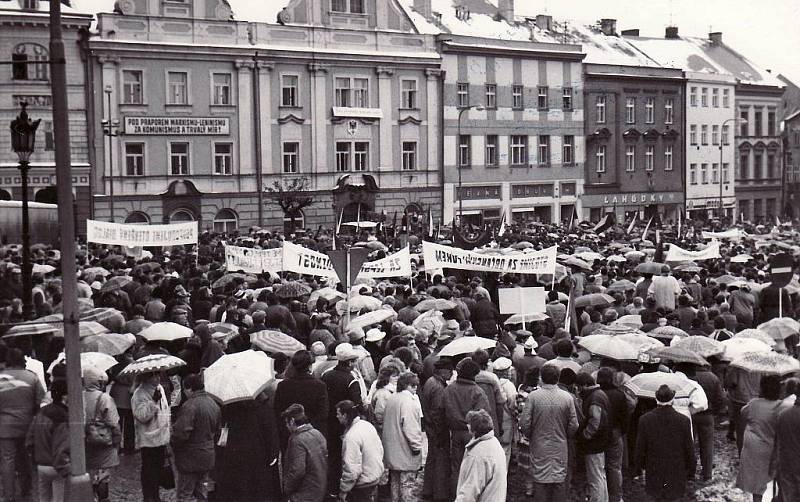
x: 375, y: 335
x: 345, y: 352
x: 502, y: 364
x: 530, y: 343
x: 96, y: 285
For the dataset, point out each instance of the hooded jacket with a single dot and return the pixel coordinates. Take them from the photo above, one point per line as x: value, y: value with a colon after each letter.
x: 49, y: 438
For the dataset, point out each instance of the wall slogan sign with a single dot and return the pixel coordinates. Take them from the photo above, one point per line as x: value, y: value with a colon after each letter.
x: 184, y: 126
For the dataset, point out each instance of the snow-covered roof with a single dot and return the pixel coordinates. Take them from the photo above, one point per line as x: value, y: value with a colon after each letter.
x: 736, y: 64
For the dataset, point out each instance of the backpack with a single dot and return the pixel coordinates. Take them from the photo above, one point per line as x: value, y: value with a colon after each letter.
x: 98, y: 433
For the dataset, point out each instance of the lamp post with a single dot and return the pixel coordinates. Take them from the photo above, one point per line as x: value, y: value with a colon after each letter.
x: 722, y: 138
x: 458, y: 160
x: 110, y: 129
x: 23, y: 138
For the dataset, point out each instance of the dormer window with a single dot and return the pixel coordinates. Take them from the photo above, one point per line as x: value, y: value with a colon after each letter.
x: 348, y: 6
x: 462, y: 13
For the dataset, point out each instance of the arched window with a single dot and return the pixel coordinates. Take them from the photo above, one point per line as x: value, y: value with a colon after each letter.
x: 137, y: 218
x: 47, y: 195
x: 181, y: 215
x: 5, y: 195
x: 225, y: 221
x: 29, y: 62
x: 299, y: 222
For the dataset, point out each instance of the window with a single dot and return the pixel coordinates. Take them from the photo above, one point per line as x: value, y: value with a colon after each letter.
x: 491, y: 96
x: 29, y: 62
x: 630, y: 158
x: 223, y: 158
x: 289, y: 87
x: 361, y: 156
x: 137, y: 218
x: 693, y: 134
x: 715, y: 97
x: 770, y: 166
x: 744, y: 166
x: 291, y: 157
x: 348, y: 6
x: 725, y: 138
x: 600, y: 159
x: 49, y: 137
x: 132, y: 87
x: 352, y: 92
x: 600, y: 105
x: 516, y: 97
x: 704, y: 173
x: 693, y: 96
x: 770, y: 123
x: 669, y: 111
x: 464, y: 157
x: 566, y: 98
x: 757, y: 116
x: 542, y: 101
x: 343, y: 156
x: 650, y: 110
x: 463, y: 95
x: 134, y: 159
x: 568, y: 150
x: 704, y: 96
x: 649, y: 154
x: 519, y: 150
x: 743, y: 123
x: 668, y: 165
x: 693, y: 174
x: 409, y: 155
x: 725, y: 173
x: 715, y: 135
x: 225, y: 221
x: 177, y: 88
x: 714, y: 173
x: 544, y: 150
x: 408, y: 94
x: 726, y: 98
x: 222, y: 88
x: 703, y: 134
x: 630, y: 110
x: 491, y: 150
x: 179, y: 159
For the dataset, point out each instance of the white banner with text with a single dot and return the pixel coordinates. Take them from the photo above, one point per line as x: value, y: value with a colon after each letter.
x: 535, y: 262
x: 679, y: 254
x: 125, y: 234
x: 253, y: 261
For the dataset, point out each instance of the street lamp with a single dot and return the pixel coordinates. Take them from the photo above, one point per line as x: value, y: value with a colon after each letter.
x: 458, y: 160
x: 722, y: 138
x: 110, y: 129
x: 23, y: 138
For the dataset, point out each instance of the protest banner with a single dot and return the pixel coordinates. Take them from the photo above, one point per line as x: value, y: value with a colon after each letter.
x: 521, y: 300
x: 253, y: 261
x: 536, y: 262
x: 678, y: 254
x: 394, y: 265
x: 733, y: 234
x: 306, y: 261
x: 125, y: 234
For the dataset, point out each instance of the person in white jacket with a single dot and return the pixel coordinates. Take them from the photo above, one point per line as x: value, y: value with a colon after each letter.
x: 362, y: 456
x: 151, y: 415
x: 483, y: 476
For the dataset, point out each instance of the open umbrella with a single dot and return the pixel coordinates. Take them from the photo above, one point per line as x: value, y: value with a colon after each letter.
x: 589, y: 255
x: 650, y: 267
x: 646, y: 384
x: 153, y: 363
x: 679, y: 355
x: 526, y: 318
x: 93, y: 271
x: 101, y: 314
x: 595, y: 300
x: 756, y: 334
x: 238, y: 377
x: 112, y: 344
x: 667, y: 332
x: 56, y: 319
x: 767, y: 363
x: 703, y: 346
x: 434, y: 304
x: 522, y: 245
x: 99, y: 360
x: 466, y: 345
x: 633, y: 255
x: 84, y: 304
x: 86, y: 328
x: 735, y: 347
x: 292, y: 289
x: 726, y: 279
x: 634, y: 320
x: 374, y: 317
x: 229, y: 278
x: 617, y: 258
x: 577, y: 262
x: 225, y: 328
x: 328, y: 294
x: 115, y: 283
x: 275, y: 341
x: 359, y: 303
x: 165, y: 331
x: 609, y: 346
x: 741, y: 258
x: 41, y: 269
x: 779, y: 328
x: 621, y: 286
x: 31, y: 329
x: 640, y: 341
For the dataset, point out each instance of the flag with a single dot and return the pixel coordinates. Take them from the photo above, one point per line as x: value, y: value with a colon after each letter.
x: 358, y: 219
x: 633, y: 222
x: 573, y: 218
x: 502, y: 229
x: 338, y: 227
x: 680, y: 211
x: 431, y: 233
x: 605, y: 222
x: 647, y: 228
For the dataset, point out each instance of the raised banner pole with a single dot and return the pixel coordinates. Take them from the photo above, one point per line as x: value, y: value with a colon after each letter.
x: 780, y: 302
x: 347, y: 291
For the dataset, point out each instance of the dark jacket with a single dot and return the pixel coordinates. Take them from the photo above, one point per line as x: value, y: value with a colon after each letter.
x: 305, y: 465
x: 665, y: 450
x: 279, y: 317
x: 193, y: 433
x: 432, y: 399
x: 485, y: 318
x: 341, y: 385
x: 463, y: 396
x: 49, y: 438
x: 714, y: 392
x: 618, y: 412
x: 594, y: 433
x: 769, y: 303
x: 308, y: 391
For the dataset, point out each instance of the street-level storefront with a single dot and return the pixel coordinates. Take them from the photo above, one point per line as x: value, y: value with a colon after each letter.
x: 645, y: 204
x: 703, y: 208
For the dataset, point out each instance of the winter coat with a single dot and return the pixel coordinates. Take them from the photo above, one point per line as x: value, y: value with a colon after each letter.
x: 49, y: 438
x: 665, y: 450
x: 19, y: 403
x: 98, y: 456
x: 305, y: 465
x: 362, y: 456
x: 432, y: 399
x: 402, y: 432
x: 463, y: 396
x: 483, y: 474
x: 485, y: 318
x: 193, y: 433
x: 152, y: 418
x: 305, y: 390
x: 378, y: 404
x: 490, y: 384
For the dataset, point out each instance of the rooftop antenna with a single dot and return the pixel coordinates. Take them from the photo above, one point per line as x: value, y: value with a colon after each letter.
x: 566, y: 23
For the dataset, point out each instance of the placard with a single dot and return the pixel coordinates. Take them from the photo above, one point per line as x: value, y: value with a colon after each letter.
x: 252, y: 260
x: 521, y: 300
x: 126, y: 234
x: 535, y: 262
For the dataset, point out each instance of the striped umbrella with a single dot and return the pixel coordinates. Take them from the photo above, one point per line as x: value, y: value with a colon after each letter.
x: 153, y: 363
x: 646, y: 384
x: 100, y: 314
x: 703, y: 346
x: 275, y: 341
x: 112, y: 344
x: 56, y: 319
x: 165, y: 331
x: 86, y: 328
x: 29, y: 329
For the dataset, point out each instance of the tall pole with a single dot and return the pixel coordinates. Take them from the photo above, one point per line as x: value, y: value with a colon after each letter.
x: 459, y: 167
x: 79, y: 487
x: 27, y: 291
x: 109, y: 132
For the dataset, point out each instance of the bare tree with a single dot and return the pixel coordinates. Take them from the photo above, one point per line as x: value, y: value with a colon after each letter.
x: 291, y: 195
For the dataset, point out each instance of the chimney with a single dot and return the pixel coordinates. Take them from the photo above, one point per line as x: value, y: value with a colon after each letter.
x: 671, y: 32
x: 715, y: 37
x: 544, y: 22
x: 506, y: 9
x: 608, y: 26
x: 633, y: 32
x: 423, y: 8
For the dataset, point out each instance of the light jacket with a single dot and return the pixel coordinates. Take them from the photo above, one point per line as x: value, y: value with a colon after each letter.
x: 100, y: 457
x: 483, y: 474
x: 152, y: 419
x: 362, y: 456
x: 402, y: 432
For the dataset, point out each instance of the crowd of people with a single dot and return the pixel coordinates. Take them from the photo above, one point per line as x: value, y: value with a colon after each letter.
x: 437, y: 397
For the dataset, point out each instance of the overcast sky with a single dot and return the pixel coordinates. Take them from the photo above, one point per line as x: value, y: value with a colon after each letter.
x: 766, y: 31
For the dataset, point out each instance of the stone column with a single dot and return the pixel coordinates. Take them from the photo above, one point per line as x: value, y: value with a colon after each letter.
x: 319, y: 123
x: 385, y: 73
x: 244, y: 94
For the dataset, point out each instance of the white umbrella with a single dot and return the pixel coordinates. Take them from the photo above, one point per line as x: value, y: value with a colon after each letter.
x: 466, y: 345
x: 736, y: 347
x: 634, y: 320
x: 610, y: 346
x: 374, y: 317
x: 741, y: 258
x: 646, y: 384
x: 526, y: 318
x: 238, y: 377
x: 100, y: 361
x: 165, y: 331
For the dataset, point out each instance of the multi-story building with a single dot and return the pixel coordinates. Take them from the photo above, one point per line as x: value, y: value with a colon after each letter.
x: 24, y: 39
x: 790, y: 135
x: 513, y: 115
x: 710, y: 119
x: 333, y: 99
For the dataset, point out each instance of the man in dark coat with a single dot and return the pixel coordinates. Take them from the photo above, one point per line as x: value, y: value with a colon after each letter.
x: 664, y: 449
x: 305, y: 462
x: 300, y: 387
x: 278, y: 316
x: 485, y: 317
x: 769, y: 302
x: 436, y: 485
x: 788, y: 434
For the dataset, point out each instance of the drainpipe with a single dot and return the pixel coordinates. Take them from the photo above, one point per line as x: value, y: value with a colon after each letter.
x: 88, y: 95
x: 441, y: 138
x: 257, y: 143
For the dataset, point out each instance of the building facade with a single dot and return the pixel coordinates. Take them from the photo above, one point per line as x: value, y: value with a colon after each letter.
x: 220, y: 117
x: 790, y: 134
x: 24, y: 39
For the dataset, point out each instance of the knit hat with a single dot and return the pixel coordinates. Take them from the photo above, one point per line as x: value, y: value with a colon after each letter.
x: 468, y: 369
x: 664, y: 394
